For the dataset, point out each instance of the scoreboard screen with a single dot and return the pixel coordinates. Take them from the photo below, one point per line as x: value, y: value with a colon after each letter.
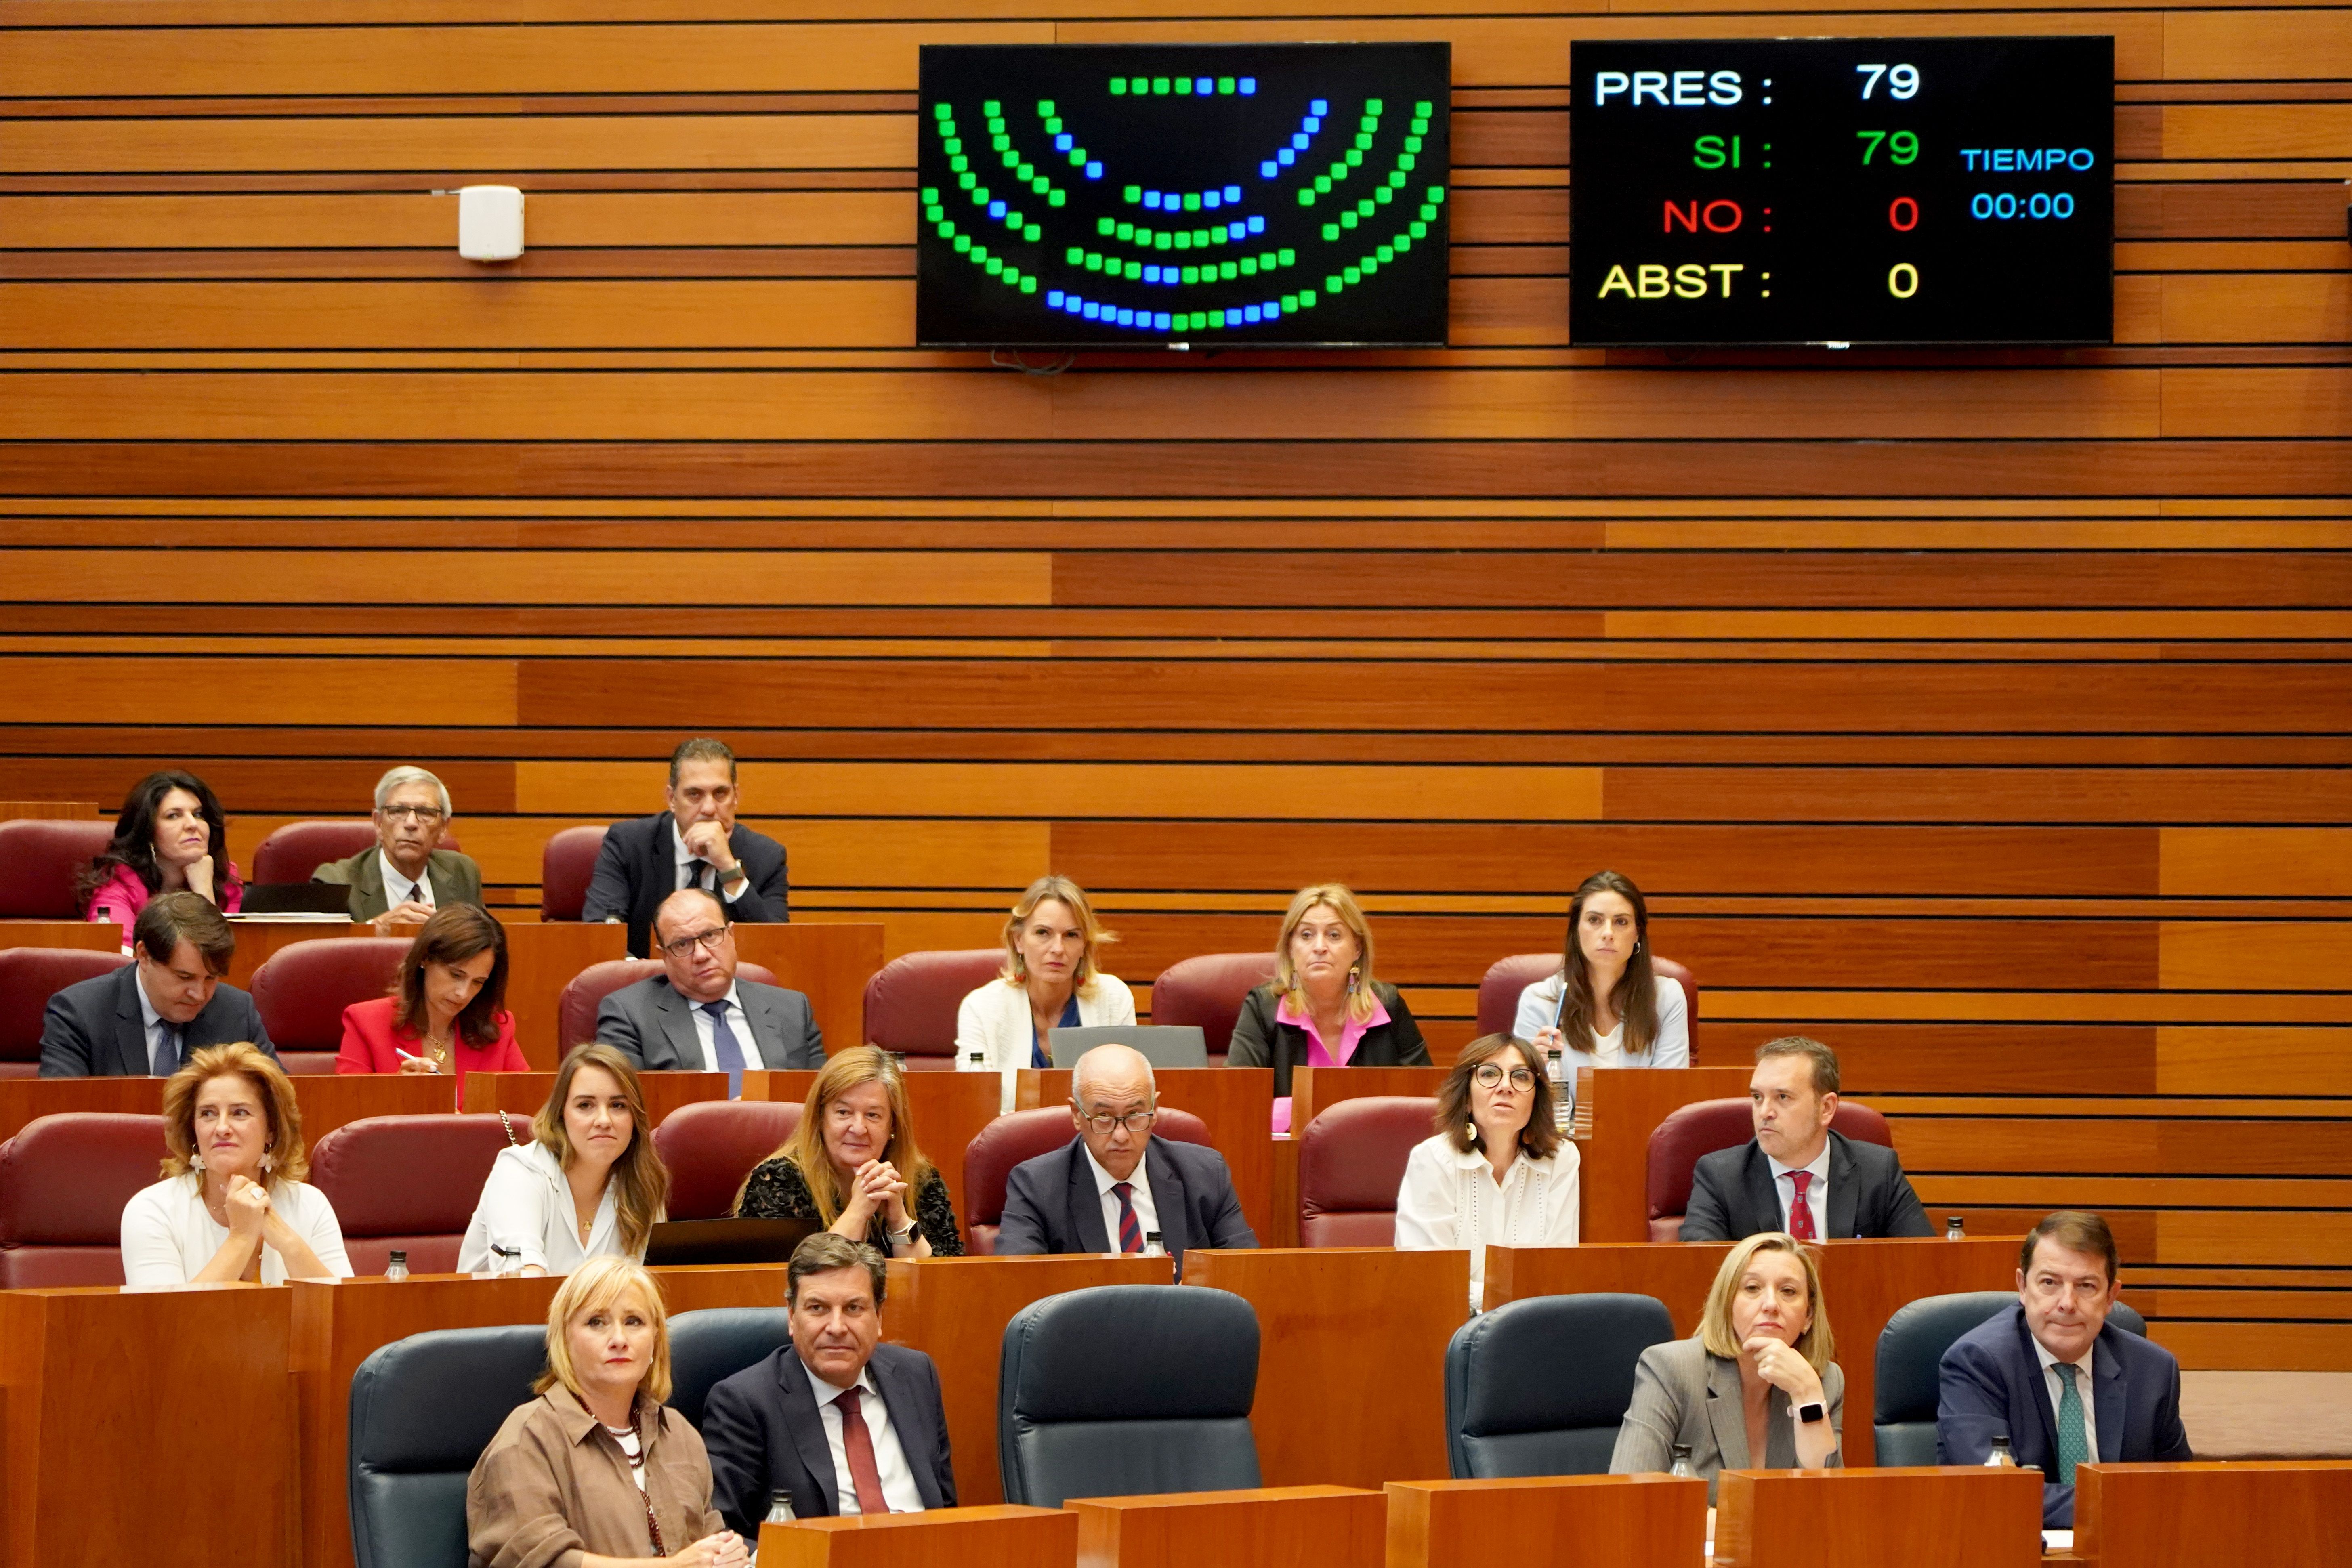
x: 1117, y: 195
x: 1842, y: 191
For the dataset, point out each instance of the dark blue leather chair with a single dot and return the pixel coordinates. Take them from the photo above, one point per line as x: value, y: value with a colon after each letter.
x: 1910, y: 1350
x: 1540, y: 1386
x: 422, y: 1411
x: 1127, y: 1389
x: 708, y: 1347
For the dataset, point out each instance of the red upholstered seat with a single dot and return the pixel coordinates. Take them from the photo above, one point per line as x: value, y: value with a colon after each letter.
x: 1207, y: 992
x: 910, y: 1003
x: 63, y: 1182
x: 575, y: 1009
x: 29, y: 976
x: 1352, y: 1162
x: 1498, y: 993
x: 1699, y: 1128
x: 408, y: 1181
x: 1005, y: 1143
x: 711, y: 1145
x: 295, y: 850
x: 564, y: 868
x: 302, y: 990
x: 39, y: 859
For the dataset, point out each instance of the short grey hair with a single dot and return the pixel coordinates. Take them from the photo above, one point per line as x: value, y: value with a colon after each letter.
x: 402, y: 777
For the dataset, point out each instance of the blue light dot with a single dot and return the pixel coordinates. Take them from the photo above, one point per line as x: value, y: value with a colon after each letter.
x: 1266, y: 170
x: 1320, y: 106
x: 1247, y: 84
x: 1235, y: 229
x: 1249, y: 314
x: 1150, y: 273
x: 1232, y: 193
x: 1286, y: 157
x: 1211, y: 200
x: 1298, y: 143
x: 1052, y: 298
x: 1272, y: 308
x: 1094, y: 311
x: 1094, y: 169
x: 1258, y: 226
x: 996, y: 209
x: 1064, y: 142
x: 1311, y: 125
x: 1127, y: 317
x: 1160, y: 321
x: 1171, y: 201
x: 1205, y: 86
x: 1152, y: 199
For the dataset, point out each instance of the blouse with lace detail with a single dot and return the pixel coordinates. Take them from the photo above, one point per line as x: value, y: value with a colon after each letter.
x: 778, y: 1190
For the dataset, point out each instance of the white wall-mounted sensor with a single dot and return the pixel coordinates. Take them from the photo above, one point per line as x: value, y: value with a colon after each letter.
x: 489, y: 223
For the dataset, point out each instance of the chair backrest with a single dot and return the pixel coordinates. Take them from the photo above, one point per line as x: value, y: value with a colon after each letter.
x: 566, y: 865
x: 1693, y: 1132
x: 39, y: 859
x: 575, y: 1008
x: 910, y: 1003
x: 708, y: 1347
x: 1207, y: 992
x: 1911, y: 1350
x: 406, y: 1181
x: 1125, y: 1389
x: 29, y: 976
x: 711, y: 1145
x: 1498, y: 993
x: 63, y: 1182
x: 295, y: 850
x: 422, y: 1411
x: 1350, y: 1164
x: 989, y: 1159
x: 1163, y: 1046
x: 302, y: 989
x: 1515, y: 1405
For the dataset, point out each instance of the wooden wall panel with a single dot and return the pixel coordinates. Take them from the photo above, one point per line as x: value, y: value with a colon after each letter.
x: 1984, y: 713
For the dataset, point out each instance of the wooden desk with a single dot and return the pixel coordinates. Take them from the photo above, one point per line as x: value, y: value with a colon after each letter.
x: 954, y: 1311
x: 104, y: 936
x: 1617, y: 1109
x: 2194, y: 1516
x: 125, y: 1412
x: 327, y: 1100
x: 995, y: 1536
x: 1865, y: 1283
x: 1285, y: 1194
x: 1351, y: 1357
x: 1235, y: 1103
x: 1563, y: 1521
x: 1948, y: 1517
x: 828, y: 964
x: 948, y: 1109
x: 523, y: 1093
x: 1275, y: 1527
x: 50, y: 810
x: 1314, y: 1090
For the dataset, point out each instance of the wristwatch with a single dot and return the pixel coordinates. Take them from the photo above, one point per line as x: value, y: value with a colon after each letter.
x: 1806, y: 1414
x: 907, y: 1234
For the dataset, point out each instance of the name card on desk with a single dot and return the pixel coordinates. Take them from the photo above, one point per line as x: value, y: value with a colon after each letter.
x: 995, y: 1536
x: 1947, y: 1516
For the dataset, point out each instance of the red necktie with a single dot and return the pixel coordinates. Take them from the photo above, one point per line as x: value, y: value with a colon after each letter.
x: 1800, y: 1212
x: 864, y: 1473
x: 1131, y: 1233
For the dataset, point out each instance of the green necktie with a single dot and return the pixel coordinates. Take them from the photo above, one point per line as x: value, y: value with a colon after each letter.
x: 2074, y: 1448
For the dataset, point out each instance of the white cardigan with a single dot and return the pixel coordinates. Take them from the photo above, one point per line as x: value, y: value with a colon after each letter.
x: 996, y: 1022
x: 527, y: 1205
x: 1449, y: 1199
x: 168, y: 1235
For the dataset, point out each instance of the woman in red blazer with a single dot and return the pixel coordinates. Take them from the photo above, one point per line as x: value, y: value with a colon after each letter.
x: 447, y: 1012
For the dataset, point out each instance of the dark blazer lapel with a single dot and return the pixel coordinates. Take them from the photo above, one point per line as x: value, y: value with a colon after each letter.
x: 1170, y: 1197
x: 1845, y: 1198
x: 1726, y: 1416
x: 806, y: 1424
x: 2035, y: 1386
x: 2110, y: 1397
x: 1763, y: 1196
x: 918, y: 1438
x: 129, y: 1025
x: 1087, y: 1224
x: 659, y: 870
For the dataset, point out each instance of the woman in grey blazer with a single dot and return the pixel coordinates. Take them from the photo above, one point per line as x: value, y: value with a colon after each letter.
x: 1756, y: 1376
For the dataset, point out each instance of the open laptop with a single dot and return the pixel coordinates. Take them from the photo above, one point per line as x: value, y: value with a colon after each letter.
x: 681, y: 1241
x: 297, y: 898
x: 1162, y: 1044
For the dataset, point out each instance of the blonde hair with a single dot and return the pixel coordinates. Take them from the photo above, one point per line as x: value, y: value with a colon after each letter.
x: 1816, y: 1344
x: 640, y: 1181
x: 1341, y: 903
x: 600, y: 1282
x: 1016, y: 969
x: 288, y: 1161
x: 805, y: 1148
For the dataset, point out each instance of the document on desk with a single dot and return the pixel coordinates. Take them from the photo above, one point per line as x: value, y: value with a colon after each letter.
x: 2057, y: 1541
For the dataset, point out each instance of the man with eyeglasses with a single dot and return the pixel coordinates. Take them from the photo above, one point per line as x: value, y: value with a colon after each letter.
x: 408, y: 875
x: 695, y: 1016
x: 1116, y: 1183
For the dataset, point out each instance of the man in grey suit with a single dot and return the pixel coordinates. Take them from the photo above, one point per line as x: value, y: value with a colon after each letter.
x: 408, y: 875
x: 1796, y: 1174
x: 697, y: 1017
x: 145, y: 1018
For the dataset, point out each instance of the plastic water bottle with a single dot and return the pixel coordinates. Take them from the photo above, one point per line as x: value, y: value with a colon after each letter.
x: 397, y: 1268
x: 1563, y: 1112
x: 1955, y: 1229
x: 1682, y: 1466
x: 780, y: 1509
x: 2001, y: 1459
x: 1152, y: 1245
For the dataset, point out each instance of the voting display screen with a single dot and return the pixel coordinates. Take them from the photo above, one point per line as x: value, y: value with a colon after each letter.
x: 1128, y: 196
x: 1842, y: 190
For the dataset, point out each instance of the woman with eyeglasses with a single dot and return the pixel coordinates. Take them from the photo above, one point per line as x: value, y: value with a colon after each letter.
x: 1498, y: 1172
x: 852, y: 1165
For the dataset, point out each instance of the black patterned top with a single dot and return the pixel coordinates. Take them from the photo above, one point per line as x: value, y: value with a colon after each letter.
x: 777, y: 1190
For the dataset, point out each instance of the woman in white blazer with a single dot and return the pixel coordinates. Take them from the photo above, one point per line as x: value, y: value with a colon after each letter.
x: 1498, y: 1172
x: 588, y: 1184
x: 233, y: 1203
x: 1051, y: 981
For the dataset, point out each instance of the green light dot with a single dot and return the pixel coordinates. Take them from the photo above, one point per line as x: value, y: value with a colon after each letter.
x: 1118, y: 87
x: 1349, y: 219
x: 1031, y: 233
x: 1028, y: 285
x: 1056, y: 198
x: 1013, y: 220
x: 1355, y: 157
x: 1438, y: 192
x: 1134, y: 193
x: 1404, y: 161
x: 1077, y: 157
x: 1134, y: 270
x: 1001, y: 143
x: 1052, y: 125
x: 1386, y: 252
x: 1105, y: 226
x: 1364, y: 207
x: 1159, y: 85
x: 1162, y: 241
x: 947, y: 229
x: 1094, y: 261
x: 1217, y: 318
x: 1200, y: 320
x: 1225, y: 84
x: 1371, y: 264
x: 1363, y: 140
x: 1248, y: 264
x: 1290, y: 303
x: 1323, y: 183
x: 1412, y: 143
x: 1422, y: 108
x: 1419, y: 230
x: 1332, y: 285
x: 1228, y: 272
x: 1124, y: 231
x: 1041, y: 184
x: 1138, y: 85
x: 1183, y: 86
x: 1307, y: 299
x: 1371, y: 106
x: 1384, y: 194
x: 1353, y: 275
x: 1331, y: 231
x: 943, y: 110
x: 992, y: 107
x: 1305, y: 198
x: 1076, y: 256
x: 1046, y: 108
x: 1289, y: 256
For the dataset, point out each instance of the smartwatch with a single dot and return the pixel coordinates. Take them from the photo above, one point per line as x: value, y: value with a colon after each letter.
x: 1806, y: 1414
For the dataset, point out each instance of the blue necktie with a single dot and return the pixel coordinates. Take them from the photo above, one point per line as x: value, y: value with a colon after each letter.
x: 724, y: 1046
x: 167, y: 1048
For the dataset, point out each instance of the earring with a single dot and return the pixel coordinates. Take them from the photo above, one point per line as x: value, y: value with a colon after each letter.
x: 265, y: 1164
x: 1355, y: 975
x: 1471, y: 1129
x: 195, y: 1161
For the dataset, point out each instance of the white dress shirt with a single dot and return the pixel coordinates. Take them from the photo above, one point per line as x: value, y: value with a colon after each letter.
x: 149, y: 1018
x: 994, y: 1025
x: 527, y: 1205
x: 398, y: 890
x: 737, y: 1023
x: 1817, y: 1195
x: 2082, y: 1386
x: 691, y: 867
x: 168, y: 1235
x: 1147, y: 1213
x: 898, y: 1488
x: 1450, y: 1199
x: 1539, y: 1010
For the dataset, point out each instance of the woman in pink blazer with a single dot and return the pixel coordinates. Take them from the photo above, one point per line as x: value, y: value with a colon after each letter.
x: 446, y: 1013
x: 169, y: 838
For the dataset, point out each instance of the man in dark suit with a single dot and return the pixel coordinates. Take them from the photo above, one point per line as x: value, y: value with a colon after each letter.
x: 2053, y: 1375
x: 145, y: 1018
x: 697, y: 1017
x: 1796, y: 1174
x: 1116, y: 1183
x: 694, y: 844
x: 408, y: 875
x: 844, y: 1422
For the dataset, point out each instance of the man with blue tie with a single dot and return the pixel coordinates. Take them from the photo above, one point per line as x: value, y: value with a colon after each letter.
x: 695, y: 1016
x: 144, y: 1019
x: 2052, y: 1374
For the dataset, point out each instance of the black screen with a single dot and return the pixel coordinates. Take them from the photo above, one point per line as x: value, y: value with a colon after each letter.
x: 1128, y: 196
x: 1842, y: 190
